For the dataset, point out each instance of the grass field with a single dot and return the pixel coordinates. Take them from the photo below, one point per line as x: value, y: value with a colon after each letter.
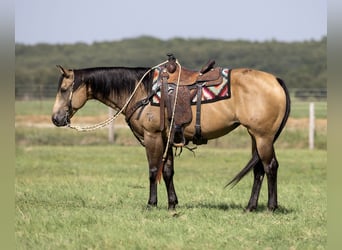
x: 94, y: 197
x: 77, y: 191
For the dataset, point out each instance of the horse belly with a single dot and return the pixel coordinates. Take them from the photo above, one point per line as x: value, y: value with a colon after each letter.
x: 217, y: 119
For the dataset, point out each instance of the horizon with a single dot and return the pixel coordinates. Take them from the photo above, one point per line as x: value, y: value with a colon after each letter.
x: 174, y: 38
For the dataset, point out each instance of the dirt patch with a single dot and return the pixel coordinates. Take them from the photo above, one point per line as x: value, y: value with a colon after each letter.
x: 45, y: 121
x: 301, y: 123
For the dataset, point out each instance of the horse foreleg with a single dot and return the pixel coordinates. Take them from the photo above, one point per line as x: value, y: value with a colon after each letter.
x: 153, y: 198
x: 168, y: 173
x: 154, y: 151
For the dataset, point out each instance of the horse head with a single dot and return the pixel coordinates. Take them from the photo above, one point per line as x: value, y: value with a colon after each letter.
x: 70, y: 97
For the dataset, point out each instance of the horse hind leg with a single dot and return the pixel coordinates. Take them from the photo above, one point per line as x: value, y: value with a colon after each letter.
x: 270, y: 165
x: 272, y: 184
x: 263, y: 161
x: 259, y: 174
x: 258, y: 169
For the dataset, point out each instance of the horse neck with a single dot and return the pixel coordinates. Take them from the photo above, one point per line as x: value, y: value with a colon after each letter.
x: 114, y: 86
x: 109, y: 101
x: 118, y: 102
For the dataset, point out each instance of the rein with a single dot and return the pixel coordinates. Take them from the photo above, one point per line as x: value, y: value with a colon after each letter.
x: 112, y: 118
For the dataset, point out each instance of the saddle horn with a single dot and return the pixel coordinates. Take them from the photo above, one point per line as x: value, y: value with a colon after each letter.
x: 171, y: 65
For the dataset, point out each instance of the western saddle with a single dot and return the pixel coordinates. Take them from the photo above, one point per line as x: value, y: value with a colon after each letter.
x: 188, y: 79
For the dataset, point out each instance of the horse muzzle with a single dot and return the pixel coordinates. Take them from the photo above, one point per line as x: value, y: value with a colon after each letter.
x: 60, y: 120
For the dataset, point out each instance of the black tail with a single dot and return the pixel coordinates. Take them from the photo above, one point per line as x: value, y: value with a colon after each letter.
x: 287, y: 111
x: 255, y: 158
x: 252, y: 162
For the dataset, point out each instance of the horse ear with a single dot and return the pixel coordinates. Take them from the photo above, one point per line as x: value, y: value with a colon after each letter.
x: 63, y: 71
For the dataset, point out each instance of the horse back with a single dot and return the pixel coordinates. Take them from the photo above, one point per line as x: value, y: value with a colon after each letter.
x: 257, y: 100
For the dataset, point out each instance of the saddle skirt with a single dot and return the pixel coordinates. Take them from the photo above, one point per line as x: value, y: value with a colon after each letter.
x: 212, y: 89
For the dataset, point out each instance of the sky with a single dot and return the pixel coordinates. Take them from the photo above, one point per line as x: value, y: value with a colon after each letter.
x: 88, y: 21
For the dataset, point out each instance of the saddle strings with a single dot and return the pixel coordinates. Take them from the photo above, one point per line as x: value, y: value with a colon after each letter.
x: 173, y: 113
x: 112, y: 118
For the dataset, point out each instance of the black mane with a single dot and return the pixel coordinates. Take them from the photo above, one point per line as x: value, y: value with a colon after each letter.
x: 106, y: 80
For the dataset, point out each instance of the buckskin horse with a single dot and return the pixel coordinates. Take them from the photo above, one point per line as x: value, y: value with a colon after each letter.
x: 257, y: 100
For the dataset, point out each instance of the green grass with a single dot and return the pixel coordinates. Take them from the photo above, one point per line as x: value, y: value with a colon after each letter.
x: 94, y: 197
x: 300, y: 109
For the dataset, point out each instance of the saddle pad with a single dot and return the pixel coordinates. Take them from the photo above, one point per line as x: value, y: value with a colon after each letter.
x: 214, y: 93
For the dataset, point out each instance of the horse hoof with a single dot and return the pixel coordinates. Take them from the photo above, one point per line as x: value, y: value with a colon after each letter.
x: 151, y: 205
x: 250, y: 209
x: 272, y: 208
x: 172, y: 207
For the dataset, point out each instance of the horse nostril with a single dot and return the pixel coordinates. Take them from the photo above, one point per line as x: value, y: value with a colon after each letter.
x: 54, y: 119
x: 58, y: 122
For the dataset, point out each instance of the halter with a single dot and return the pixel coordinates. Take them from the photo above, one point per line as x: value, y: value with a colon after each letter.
x: 70, y: 103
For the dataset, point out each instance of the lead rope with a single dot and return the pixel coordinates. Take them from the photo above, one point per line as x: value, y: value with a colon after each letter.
x: 111, y: 119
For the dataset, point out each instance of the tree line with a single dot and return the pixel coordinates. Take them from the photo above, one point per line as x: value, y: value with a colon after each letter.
x: 300, y: 64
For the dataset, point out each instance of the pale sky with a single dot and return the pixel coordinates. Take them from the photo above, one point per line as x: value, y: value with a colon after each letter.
x: 71, y: 21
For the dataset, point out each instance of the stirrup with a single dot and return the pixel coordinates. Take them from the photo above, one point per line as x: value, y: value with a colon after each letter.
x: 179, y: 136
x: 199, y: 140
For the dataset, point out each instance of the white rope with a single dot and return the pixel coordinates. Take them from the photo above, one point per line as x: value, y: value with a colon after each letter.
x: 173, y: 113
x: 110, y: 119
